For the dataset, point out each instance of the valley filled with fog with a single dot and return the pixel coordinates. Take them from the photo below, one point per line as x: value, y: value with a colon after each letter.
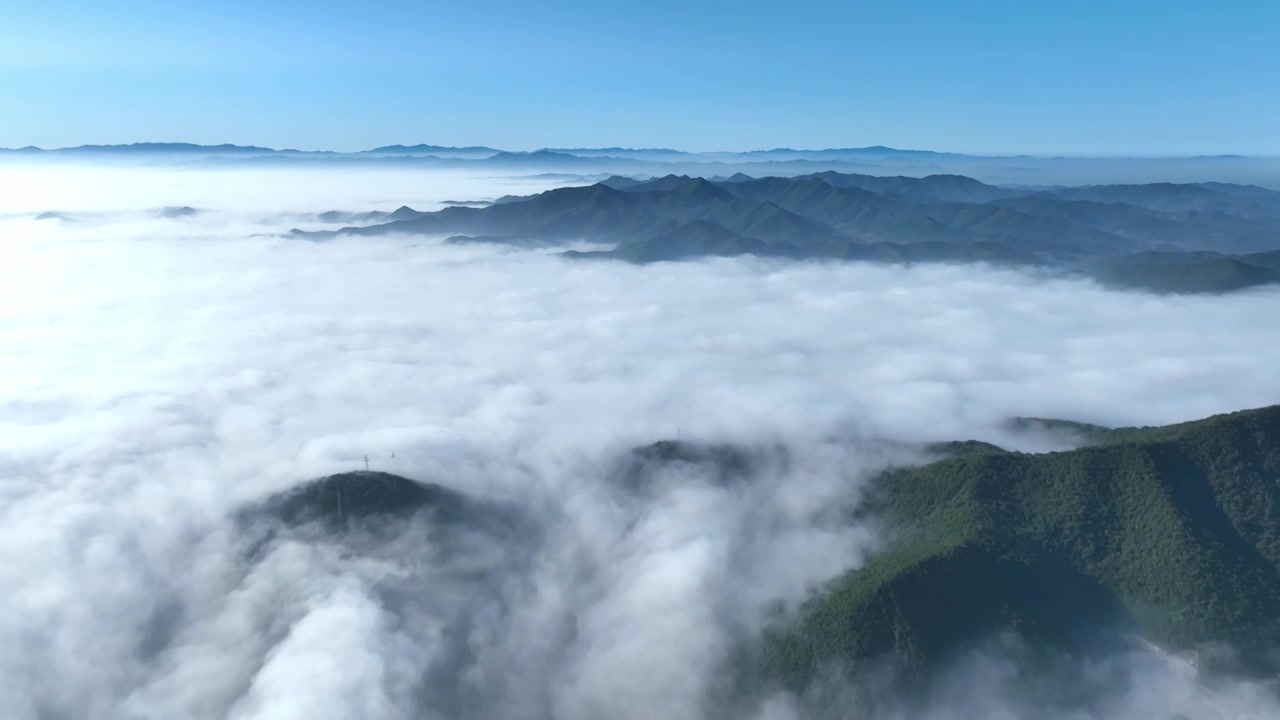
x: 173, y: 357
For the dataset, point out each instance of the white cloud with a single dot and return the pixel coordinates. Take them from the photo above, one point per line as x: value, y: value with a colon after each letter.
x: 162, y: 373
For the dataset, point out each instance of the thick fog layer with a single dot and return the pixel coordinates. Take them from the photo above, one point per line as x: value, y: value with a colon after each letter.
x: 165, y: 372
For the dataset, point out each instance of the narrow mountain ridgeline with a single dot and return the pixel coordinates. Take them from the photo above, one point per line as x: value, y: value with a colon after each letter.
x: 1171, y: 534
x: 1208, y: 237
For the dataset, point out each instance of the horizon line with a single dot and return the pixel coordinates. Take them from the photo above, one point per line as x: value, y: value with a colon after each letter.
x: 869, y: 149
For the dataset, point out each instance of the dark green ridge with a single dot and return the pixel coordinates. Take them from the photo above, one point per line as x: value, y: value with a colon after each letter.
x: 338, y: 500
x: 1172, y: 533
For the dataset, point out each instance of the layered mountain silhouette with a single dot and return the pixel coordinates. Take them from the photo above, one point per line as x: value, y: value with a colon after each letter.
x: 440, y: 150
x: 591, y: 164
x: 1209, y: 237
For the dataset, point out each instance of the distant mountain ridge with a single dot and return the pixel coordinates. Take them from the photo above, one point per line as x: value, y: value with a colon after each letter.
x: 424, y: 147
x: 871, y: 151
x: 429, y: 148
x: 1022, y: 170
x: 1164, y: 237
x: 150, y: 147
x: 183, y: 147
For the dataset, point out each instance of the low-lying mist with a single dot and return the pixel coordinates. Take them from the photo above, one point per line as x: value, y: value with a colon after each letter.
x: 163, y: 373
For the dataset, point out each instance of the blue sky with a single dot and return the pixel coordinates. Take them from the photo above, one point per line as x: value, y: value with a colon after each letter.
x: 1122, y: 77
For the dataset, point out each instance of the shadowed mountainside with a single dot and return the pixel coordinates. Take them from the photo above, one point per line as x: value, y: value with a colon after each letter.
x: 1169, y: 532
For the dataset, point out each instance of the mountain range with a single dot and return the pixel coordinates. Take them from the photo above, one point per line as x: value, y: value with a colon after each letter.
x: 871, y: 151
x: 1165, y: 535
x: 654, y: 162
x: 1165, y: 237
x: 447, y: 150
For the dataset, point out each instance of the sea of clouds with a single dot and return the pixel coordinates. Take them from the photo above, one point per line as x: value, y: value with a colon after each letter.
x: 162, y: 373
